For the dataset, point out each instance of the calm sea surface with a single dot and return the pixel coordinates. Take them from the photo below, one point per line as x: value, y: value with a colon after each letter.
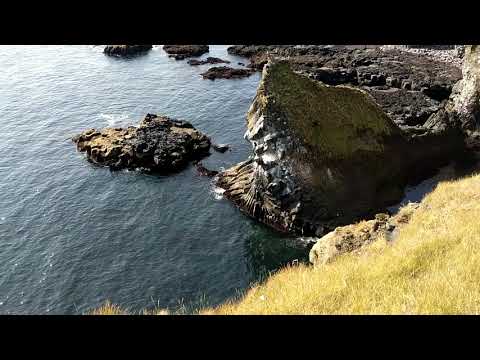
x: 73, y: 235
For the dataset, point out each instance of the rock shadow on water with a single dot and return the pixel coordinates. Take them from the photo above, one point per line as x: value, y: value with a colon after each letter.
x: 267, y: 251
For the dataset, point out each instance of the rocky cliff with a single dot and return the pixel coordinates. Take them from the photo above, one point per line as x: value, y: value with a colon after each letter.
x: 325, y: 155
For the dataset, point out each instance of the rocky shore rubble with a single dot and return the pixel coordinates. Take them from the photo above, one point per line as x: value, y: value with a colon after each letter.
x: 452, y: 54
x: 408, y: 86
x: 158, y: 144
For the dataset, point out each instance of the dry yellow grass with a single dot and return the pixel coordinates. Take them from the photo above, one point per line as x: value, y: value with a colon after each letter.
x: 108, y: 309
x: 433, y: 267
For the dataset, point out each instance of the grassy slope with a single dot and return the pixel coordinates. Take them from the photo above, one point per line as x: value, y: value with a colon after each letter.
x: 432, y: 268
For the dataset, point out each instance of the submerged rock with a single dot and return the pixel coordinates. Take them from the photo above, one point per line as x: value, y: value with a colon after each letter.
x: 225, y: 72
x: 209, y: 60
x: 180, y: 52
x: 221, y: 147
x: 353, y: 237
x: 202, y: 170
x: 325, y: 156
x: 126, y: 50
x: 159, y: 143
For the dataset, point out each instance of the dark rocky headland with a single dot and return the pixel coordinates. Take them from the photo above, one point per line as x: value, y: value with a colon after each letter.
x: 159, y: 144
x: 337, y: 134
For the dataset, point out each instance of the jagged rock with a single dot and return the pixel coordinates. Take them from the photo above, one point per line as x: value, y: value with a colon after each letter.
x: 225, y: 72
x: 159, y: 143
x: 221, y: 147
x: 126, y: 50
x: 325, y: 156
x: 209, y: 60
x: 465, y: 100
x: 353, y: 237
x: 202, y: 170
x: 180, y: 52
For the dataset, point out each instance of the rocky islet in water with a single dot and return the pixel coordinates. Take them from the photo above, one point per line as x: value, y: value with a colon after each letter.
x: 226, y: 72
x: 159, y: 144
x: 209, y: 60
x: 180, y: 52
x: 126, y: 50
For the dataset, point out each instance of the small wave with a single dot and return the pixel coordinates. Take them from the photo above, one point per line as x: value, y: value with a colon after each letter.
x: 113, y: 119
x: 217, y: 192
x: 305, y: 241
x: 97, y: 48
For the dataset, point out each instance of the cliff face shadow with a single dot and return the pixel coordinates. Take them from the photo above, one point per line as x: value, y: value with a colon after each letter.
x: 466, y: 166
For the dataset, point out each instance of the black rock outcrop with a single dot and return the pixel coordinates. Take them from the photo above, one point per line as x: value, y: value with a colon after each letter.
x: 159, y: 144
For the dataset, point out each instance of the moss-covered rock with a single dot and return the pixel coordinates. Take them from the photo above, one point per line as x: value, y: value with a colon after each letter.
x: 324, y: 156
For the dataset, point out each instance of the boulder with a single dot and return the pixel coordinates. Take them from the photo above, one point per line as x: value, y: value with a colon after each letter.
x: 352, y: 238
x: 325, y: 156
x: 221, y: 147
x: 180, y: 52
x: 126, y: 50
x: 159, y: 144
x: 225, y: 72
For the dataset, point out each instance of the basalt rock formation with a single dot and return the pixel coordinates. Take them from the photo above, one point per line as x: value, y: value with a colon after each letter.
x: 126, y: 50
x: 180, y: 52
x: 325, y: 156
x: 209, y: 60
x: 225, y: 72
x: 158, y: 144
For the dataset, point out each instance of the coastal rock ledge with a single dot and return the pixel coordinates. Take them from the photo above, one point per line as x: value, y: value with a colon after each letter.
x: 158, y: 144
x: 325, y: 156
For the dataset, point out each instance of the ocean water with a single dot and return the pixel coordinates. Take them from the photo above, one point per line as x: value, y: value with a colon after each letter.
x: 73, y: 235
